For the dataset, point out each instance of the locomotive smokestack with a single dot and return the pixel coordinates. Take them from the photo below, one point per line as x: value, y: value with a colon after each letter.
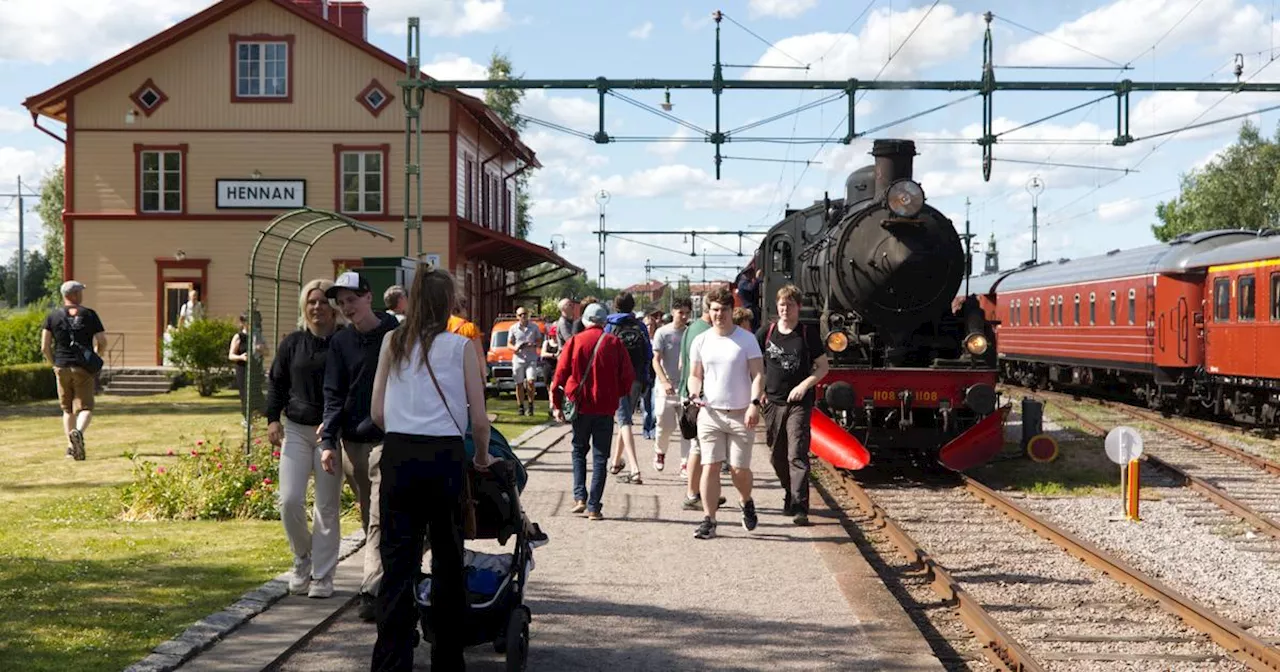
x: 893, y: 162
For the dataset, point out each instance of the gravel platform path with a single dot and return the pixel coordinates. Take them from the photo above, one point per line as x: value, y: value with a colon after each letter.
x: 1068, y: 615
x: 637, y: 591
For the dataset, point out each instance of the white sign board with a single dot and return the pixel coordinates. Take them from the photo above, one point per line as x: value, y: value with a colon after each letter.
x: 1123, y: 444
x: 261, y: 194
x: 433, y: 259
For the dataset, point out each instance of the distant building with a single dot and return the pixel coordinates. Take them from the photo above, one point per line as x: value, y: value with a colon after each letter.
x: 648, y: 293
x: 992, y: 261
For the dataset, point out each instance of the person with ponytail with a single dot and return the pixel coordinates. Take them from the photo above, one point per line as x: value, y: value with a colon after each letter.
x: 427, y: 386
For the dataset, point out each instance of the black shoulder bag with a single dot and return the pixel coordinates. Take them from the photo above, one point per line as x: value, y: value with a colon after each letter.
x: 86, y: 358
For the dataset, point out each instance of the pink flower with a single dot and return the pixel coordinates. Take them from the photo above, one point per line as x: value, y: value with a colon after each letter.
x: 219, y: 465
x: 200, y: 442
x: 253, y: 467
x: 275, y: 454
x: 266, y: 481
x: 170, y: 452
x: 248, y: 493
x: 195, y: 453
x: 257, y: 442
x: 159, y: 470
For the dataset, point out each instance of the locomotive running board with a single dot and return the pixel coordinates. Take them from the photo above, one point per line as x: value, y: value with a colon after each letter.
x: 832, y: 443
x: 977, y: 445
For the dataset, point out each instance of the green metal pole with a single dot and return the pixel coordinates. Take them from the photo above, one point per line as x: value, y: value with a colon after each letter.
x: 717, y: 86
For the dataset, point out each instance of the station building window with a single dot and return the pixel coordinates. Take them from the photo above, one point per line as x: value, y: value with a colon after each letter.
x: 1245, y: 297
x: 161, y: 178
x: 262, y: 68
x: 362, y: 179
x: 1221, y: 300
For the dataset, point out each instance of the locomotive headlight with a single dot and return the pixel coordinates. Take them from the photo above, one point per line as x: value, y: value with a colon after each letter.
x: 976, y: 344
x: 906, y: 198
x: 837, y: 341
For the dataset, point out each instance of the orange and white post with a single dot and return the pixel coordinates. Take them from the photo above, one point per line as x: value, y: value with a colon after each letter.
x: 1131, y: 490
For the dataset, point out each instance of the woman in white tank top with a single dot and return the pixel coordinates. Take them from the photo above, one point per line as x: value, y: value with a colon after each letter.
x: 428, y: 385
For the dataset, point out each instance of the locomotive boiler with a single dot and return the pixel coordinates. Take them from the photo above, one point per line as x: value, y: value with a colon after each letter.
x: 913, y: 369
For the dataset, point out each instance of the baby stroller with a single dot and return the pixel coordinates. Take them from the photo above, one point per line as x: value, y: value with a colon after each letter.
x: 496, y: 613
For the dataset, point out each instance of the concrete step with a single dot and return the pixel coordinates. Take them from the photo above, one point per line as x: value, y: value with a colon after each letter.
x: 124, y: 377
x: 162, y: 385
x: 135, y: 392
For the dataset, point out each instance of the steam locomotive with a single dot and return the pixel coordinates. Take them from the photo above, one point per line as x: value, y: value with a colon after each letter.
x: 913, y: 368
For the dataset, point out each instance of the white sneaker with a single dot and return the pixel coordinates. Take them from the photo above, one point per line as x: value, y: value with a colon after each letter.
x: 301, y: 579
x: 321, y: 588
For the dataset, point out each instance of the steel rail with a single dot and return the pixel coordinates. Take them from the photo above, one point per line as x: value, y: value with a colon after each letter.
x: 1210, y: 491
x: 998, y: 645
x: 1269, y: 466
x: 1242, y: 646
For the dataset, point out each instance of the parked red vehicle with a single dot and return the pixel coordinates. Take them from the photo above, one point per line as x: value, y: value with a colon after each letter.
x: 1179, y: 326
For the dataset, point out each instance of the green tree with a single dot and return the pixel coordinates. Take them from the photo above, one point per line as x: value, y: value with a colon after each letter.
x: 50, y: 211
x: 506, y: 104
x: 35, y: 272
x: 1240, y: 188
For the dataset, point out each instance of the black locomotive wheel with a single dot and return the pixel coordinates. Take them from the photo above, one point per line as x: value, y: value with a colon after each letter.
x: 517, y: 640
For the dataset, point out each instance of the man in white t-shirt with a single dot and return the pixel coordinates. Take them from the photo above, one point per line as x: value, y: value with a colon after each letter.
x: 524, y: 338
x: 728, y: 372
x: 666, y: 367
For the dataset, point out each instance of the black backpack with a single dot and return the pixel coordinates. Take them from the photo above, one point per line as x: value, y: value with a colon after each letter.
x: 635, y: 336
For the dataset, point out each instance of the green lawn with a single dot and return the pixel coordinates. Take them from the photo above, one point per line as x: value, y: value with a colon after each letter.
x: 81, y: 589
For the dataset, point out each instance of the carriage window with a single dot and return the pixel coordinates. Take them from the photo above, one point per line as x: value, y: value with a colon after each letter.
x: 1113, y: 306
x: 1053, y: 310
x: 1077, y: 310
x: 1221, y: 299
x: 1013, y: 313
x: 1246, y: 296
x: 1060, y: 320
x: 1133, y: 305
x: 1275, y: 296
x: 1038, y: 319
x: 1093, y: 308
x: 782, y: 256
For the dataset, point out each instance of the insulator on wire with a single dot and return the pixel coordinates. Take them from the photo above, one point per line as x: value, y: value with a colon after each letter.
x: 1239, y: 66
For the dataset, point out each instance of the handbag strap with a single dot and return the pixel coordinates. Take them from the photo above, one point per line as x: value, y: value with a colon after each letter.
x: 426, y: 358
x: 587, y: 374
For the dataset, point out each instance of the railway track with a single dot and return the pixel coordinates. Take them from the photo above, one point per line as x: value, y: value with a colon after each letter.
x: 1033, y: 607
x: 1244, y: 484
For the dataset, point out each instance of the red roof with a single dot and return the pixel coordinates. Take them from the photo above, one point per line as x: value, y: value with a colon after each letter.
x: 646, y: 287
x: 53, y: 102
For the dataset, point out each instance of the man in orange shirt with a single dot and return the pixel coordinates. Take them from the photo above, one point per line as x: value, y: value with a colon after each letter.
x: 462, y: 327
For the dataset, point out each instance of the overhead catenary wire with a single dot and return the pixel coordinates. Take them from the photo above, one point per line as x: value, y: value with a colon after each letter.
x: 1059, y: 41
x: 766, y: 42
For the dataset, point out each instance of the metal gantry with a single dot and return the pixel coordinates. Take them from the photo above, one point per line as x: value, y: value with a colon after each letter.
x: 985, y: 87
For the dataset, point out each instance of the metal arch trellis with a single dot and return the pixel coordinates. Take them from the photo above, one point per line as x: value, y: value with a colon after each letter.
x: 289, y: 238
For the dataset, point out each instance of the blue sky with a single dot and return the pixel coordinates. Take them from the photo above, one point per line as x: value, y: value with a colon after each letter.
x: 671, y: 185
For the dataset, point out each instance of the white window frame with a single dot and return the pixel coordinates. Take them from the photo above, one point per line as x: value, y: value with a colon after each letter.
x: 362, y: 172
x: 261, y: 62
x: 160, y: 155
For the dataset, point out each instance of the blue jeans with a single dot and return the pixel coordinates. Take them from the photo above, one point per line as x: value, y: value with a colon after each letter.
x: 589, y: 430
x: 650, y: 419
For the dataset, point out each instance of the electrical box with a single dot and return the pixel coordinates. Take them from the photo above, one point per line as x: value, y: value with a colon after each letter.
x: 382, y: 272
x: 1032, y: 420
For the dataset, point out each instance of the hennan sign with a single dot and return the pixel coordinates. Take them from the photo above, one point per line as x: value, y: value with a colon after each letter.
x: 262, y: 194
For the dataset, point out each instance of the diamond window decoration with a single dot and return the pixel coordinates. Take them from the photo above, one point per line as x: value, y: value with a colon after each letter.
x: 148, y: 97
x: 375, y: 98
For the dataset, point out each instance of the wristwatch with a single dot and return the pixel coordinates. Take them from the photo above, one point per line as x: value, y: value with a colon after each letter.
x: 756, y: 402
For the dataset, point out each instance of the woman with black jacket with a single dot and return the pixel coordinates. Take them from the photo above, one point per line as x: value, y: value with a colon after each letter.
x: 297, y: 393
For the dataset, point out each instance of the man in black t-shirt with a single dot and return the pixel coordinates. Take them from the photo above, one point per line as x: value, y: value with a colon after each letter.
x: 794, y: 361
x: 65, y: 333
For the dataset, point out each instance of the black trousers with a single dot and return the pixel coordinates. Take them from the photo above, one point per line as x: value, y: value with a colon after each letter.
x: 788, y: 434
x: 421, y: 490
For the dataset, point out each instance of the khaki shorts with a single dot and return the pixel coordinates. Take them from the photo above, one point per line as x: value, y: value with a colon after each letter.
x: 723, y: 434
x: 75, y: 388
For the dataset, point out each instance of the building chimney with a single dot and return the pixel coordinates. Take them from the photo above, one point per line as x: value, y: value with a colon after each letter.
x: 351, y: 17
x: 318, y: 7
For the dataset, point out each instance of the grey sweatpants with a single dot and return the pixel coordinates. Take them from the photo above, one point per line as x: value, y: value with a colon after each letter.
x: 299, y: 461
x: 788, y: 435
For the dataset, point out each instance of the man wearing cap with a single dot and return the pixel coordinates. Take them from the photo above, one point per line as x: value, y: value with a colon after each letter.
x: 65, y: 334
x: 595, y: 372
x: 348, y: 397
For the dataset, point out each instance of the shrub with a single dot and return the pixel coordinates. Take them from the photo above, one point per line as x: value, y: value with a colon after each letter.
x: 20, y: 337
x: 27, y: 382
x: 200, y: 351
x: 208, y: 479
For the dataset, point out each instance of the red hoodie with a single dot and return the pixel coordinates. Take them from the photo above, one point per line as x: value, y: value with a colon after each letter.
x: 610, y: 377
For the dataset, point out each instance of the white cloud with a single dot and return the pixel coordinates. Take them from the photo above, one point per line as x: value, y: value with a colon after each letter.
x: 695, y: 22
x: 1121, y: 209
x: 576, y: 113
x: 48, y: 31
x: 30, y: 164
x: 668, y: 149
x: 942, y: 37
x: 642, y: 31
x: 452, y: 66
x: 440, y: 18
x: 782, y: 9
x: 1126, y: 29
x: 12, y: 120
